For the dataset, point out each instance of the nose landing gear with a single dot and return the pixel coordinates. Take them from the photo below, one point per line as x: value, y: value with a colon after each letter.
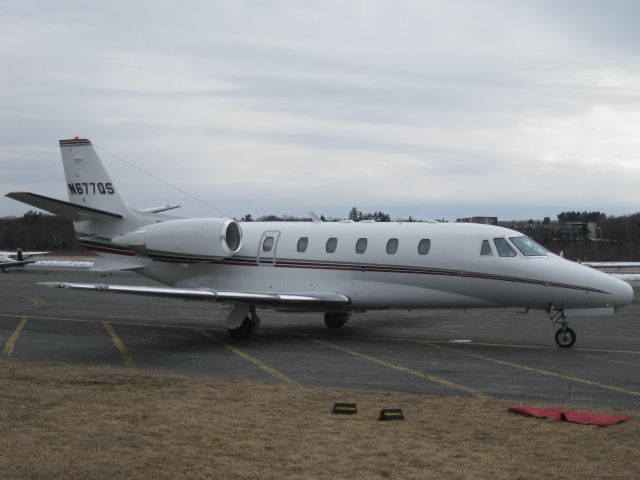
x: 565, y: 336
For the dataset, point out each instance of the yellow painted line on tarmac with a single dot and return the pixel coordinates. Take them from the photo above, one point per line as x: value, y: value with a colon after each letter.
x: 611, y: 360
x: 538, y: 370
x: 262, y: 366
x: 8, y: 348
x: 35, y: 301
x: 352, y: 337
x: 117, y: 322
x: 447, y: 342
x: 536, y: 347
x: 488, y: 344
x: 38, y: 301
x: 126, y: 356
x: 472, y: 343
x: 425, y: 376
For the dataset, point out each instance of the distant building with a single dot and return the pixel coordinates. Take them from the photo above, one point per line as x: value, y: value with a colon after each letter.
x: 580, y: 231
x: 484, y: 220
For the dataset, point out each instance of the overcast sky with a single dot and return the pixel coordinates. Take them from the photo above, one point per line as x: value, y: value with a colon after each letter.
x: 519, y: 109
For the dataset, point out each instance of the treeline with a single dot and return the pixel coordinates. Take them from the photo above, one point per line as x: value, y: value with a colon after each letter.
x: 595, y: 217
x: 278, y: 218
x: 37, y: 231
x: 617, y: 237
x: 355, y: 215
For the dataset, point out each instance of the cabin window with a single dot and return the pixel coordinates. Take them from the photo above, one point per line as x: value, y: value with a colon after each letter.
x: 392, y: 246
x: 486, y: 249
x: 424, y: 246
x: 332, y: 243
x: 528, y: 247
x: 267, y: 245
x: 303, y: 242
x: 361, y: 245
x: 503, y: 248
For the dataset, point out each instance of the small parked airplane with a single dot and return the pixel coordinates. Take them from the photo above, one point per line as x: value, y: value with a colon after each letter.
x: 621, y: 266
x: 16, y: 259
x: 333, y: 267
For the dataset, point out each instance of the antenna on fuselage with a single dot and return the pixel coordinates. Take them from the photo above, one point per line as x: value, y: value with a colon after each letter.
x: 179, y: 190
x: 315, y: 218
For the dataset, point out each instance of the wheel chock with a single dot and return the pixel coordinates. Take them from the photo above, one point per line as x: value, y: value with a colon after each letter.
x: 344, y: 409
x: 391, y: 414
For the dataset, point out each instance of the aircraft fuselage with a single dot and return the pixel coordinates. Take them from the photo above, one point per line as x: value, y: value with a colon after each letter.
x: 452, y: 273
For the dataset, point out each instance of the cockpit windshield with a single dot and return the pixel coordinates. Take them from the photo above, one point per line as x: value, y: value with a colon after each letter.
x: 503, y: 248
x: 528, y: 247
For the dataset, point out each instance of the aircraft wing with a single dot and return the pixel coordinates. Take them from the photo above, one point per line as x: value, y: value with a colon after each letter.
x: 20, y: 263
x: 612, y: 264
x: 13, y: 255
x: 267, y: 300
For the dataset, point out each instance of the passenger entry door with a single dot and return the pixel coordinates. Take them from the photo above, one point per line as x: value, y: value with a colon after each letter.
x: 267, y: 248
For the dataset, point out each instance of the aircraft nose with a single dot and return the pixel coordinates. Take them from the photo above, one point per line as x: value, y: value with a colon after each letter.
x: 623, y: 294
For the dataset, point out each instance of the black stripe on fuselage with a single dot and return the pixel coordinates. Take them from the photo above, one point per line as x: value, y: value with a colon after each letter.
x: 341, y: 266
x: 105, y: 247
x: 74, y: 142
x: 163, y: 257
x: 428, y: 271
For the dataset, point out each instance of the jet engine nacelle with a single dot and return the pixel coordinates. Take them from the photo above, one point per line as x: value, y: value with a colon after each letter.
x: 189, y: 239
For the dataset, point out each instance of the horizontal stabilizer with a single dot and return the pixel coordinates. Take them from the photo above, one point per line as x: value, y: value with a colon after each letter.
x: 253, y: 298
x: 69, y: 210
x: 163, y: 208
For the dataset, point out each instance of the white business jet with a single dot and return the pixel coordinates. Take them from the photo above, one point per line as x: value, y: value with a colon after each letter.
x: 332, y: 267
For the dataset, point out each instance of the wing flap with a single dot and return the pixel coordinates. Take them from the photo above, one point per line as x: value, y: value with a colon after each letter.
x: 292, y: 300
x: 69, y: 210
x: 112, y: 265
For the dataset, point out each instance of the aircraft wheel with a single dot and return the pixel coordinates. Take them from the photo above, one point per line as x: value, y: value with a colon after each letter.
x: 335, y: 319
x: 245, y: 330
x: 565, y: 337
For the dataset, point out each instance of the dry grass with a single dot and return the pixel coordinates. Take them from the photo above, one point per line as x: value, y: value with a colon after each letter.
x: 61, y: 421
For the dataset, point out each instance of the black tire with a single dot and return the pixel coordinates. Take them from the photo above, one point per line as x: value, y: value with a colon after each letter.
x: 335, y: 319
x: 245, y: 330
x: 565, y: 337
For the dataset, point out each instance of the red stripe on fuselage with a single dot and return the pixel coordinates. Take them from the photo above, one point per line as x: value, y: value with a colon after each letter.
x: 95, y: 248
x: 356, y: 268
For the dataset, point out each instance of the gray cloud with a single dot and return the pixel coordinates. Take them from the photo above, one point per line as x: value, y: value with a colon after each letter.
x: 423, y: 102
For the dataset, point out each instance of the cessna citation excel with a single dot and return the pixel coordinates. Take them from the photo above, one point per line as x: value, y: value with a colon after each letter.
x: 332, y: 267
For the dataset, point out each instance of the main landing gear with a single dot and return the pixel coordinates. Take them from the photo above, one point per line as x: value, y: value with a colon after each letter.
x: 336, y: 319
x: 247, y: 327
x: 565, y: 336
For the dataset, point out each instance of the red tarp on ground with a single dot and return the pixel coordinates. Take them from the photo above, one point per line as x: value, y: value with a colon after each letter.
x: 583, y: 418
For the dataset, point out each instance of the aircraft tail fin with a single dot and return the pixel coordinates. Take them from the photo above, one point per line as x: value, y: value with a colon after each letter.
x: 88, y: 183
x: 95, y: 204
